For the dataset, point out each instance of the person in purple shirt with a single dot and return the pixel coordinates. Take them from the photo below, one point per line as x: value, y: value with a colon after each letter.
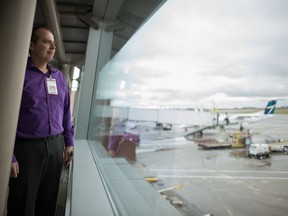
x: 45, y: 133
x: 120, y: 133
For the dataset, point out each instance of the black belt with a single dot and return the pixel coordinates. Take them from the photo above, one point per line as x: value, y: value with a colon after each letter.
x: 44, y: 139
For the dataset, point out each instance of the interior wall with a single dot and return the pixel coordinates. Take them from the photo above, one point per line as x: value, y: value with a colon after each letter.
x: 16, y: 26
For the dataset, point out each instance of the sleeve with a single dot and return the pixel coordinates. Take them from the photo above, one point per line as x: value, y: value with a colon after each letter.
x: 114, y: 141
x: 67, y: 120
x: 14, y: 160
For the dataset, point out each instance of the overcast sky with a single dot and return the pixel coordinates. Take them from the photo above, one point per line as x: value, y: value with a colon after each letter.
x: 205, y: 53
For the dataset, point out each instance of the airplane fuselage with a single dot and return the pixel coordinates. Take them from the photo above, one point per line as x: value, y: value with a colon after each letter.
x: 238, y: 119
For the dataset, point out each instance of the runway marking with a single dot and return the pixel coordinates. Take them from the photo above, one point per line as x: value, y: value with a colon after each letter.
x: 219, y: 171
x: 222, y: 177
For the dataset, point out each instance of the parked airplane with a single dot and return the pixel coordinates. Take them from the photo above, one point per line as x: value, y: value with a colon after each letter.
x: 200, y: 121
x: 248, y: 117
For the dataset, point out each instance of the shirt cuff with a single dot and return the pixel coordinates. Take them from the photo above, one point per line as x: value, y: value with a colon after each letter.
x: 69, y: 141
x: 14, y: 160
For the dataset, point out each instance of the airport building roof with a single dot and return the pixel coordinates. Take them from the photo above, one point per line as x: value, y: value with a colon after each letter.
x: 70, y: 21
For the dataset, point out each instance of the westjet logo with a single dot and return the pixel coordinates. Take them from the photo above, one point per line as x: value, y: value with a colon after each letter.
x: 270, y: 107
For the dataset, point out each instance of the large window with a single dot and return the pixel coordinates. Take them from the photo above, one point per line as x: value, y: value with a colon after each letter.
x: 191, y: 71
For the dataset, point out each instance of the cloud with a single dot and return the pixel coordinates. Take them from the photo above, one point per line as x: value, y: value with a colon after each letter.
x: 193, y: 52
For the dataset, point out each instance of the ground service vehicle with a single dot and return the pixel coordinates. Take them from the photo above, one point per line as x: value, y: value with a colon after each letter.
x: 279, y: 146
x: 259, y: 151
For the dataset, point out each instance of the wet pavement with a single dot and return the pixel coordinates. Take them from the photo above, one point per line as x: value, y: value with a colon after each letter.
x: 217, y: 181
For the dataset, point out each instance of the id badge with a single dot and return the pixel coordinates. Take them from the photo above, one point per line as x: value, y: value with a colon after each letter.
x: 51, y: 86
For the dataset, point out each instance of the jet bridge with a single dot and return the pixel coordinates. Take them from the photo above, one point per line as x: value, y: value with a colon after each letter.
x: 184, y: 117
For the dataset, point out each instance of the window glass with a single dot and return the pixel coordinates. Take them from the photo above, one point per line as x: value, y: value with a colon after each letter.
x: 190, y: 91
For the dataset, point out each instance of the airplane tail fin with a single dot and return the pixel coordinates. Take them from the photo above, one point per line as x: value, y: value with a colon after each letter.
x: 270, y: 108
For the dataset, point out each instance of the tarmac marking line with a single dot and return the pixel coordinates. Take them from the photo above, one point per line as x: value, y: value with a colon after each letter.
x: 218, y: 171
x: 222, y: 177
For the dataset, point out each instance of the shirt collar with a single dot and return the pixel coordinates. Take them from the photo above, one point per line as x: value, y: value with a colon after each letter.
x: 30, y: 65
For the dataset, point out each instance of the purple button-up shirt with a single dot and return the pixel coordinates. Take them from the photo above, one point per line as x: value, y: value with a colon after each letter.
x: 42, y: 114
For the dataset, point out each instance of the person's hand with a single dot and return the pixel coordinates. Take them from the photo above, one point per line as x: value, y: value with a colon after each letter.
x: 68, y: 155
x: 112, y: 153
x: 14, y: 170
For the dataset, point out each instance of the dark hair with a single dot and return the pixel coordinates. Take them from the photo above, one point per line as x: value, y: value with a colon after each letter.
x: 35, y: 36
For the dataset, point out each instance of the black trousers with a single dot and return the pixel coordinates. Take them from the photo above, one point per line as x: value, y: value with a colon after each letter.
x: 34, y: 192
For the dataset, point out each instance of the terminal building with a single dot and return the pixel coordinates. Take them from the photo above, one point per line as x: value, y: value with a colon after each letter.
x: 88, y: 34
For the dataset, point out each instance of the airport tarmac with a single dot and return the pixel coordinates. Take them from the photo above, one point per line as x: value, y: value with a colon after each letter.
x: 222, y: 182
